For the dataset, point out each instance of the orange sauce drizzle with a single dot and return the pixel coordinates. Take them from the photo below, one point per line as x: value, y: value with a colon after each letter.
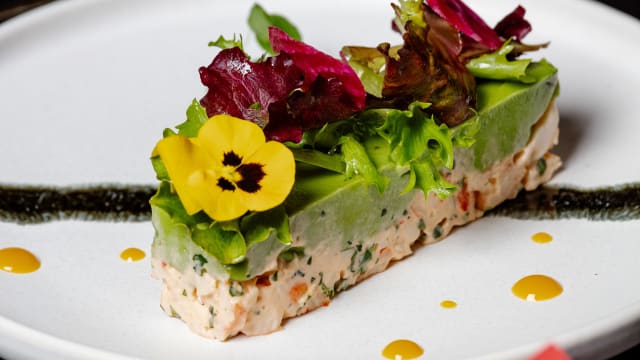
x: 132, y: 254
x: 448, y: 304
x: 536, y: 287
x: 541, y: 237
x: 402, y: 350
x: 18, y: 261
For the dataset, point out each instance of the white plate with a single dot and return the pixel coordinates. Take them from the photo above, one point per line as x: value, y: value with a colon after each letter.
x: 86, y: 88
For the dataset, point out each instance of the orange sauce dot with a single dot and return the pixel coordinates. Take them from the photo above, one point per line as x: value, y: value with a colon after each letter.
x: 132, y: 254
x: 536, y: 288
x: 448, y: 304
x: 402, y: 350
x: 541, y: 237
x: 18, y: 261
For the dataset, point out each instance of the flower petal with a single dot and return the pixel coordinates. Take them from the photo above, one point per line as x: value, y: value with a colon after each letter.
x: 279, y: 167
x: 223, y: 205
x: 183, y: 161
x: 223, y: 134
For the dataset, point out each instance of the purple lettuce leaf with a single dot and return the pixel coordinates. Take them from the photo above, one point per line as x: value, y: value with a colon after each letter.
x: 331, y: 90
x: 428, y: 68
x: 513, y: 25
x: 315, y: 63
x: 298, y: 89
x: 246, y: 89
x: 466, y: 21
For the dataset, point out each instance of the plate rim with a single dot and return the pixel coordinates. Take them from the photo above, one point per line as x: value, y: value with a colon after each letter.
x: 19, y: 340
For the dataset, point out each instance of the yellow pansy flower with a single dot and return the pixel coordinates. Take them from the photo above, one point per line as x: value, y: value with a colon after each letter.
x: 228, y: 169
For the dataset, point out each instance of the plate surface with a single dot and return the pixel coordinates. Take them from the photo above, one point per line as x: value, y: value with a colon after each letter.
x: 88, y: 86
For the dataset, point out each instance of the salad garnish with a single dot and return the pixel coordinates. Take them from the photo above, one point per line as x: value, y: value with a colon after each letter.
x: 227, y: 172
x: 301, y: 88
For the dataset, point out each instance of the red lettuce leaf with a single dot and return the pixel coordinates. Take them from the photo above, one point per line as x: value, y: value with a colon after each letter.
x: 466, y: 21
x: 300, y: 88
x: 514, y: 25
x: 315, y: 63
x: 246, y: 89
x: 324, y: 101
x: 428, y: 69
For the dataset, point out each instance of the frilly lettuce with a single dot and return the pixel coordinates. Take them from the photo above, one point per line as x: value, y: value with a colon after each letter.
x: 498, y: 65
x: 416, y: 142
x: 358, y: 162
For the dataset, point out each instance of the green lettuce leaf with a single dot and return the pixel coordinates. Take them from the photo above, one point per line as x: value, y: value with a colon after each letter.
x: 196, y: 117
x: 258, y: 226
x: 497, y: 66
x: 167, y: 200
x: 159, y: 168
x: 259, y: 21
x: 222, y: 240
x: 369, y: 63
x: 358, y: 162
x: 411, y: 133
x: 409, y: 11
x: 224, y: 43
x: 238, y: 271
x: 424, y: 175
x: 417, y: 140
x: 320, y: 159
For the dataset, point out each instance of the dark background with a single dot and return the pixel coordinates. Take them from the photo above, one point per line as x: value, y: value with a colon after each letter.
x: 10, y: 8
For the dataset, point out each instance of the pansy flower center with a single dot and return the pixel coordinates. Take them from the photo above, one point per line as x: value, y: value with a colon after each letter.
x: 234, y: 174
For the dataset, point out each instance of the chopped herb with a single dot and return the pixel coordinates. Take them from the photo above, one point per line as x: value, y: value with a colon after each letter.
x: 421, y: 225
x: 199, y: 262
x: 340, y: 285
x: 211, y: 318
x: 541, y: 165
x: 309, y: 260
x: 312, y: 280
x: 353, y: 262
x: 274, y: 277
x: 298, y: 273
x: 291, y: 253
x: 236, y: 289
x: 323, y: 213
x: 368, y: 254
x: 328, y: 292
x: 437, y: 231
x: 184, y: 292
x: 384, y: 212
x: 174, y: 313
x: 405, y: 212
